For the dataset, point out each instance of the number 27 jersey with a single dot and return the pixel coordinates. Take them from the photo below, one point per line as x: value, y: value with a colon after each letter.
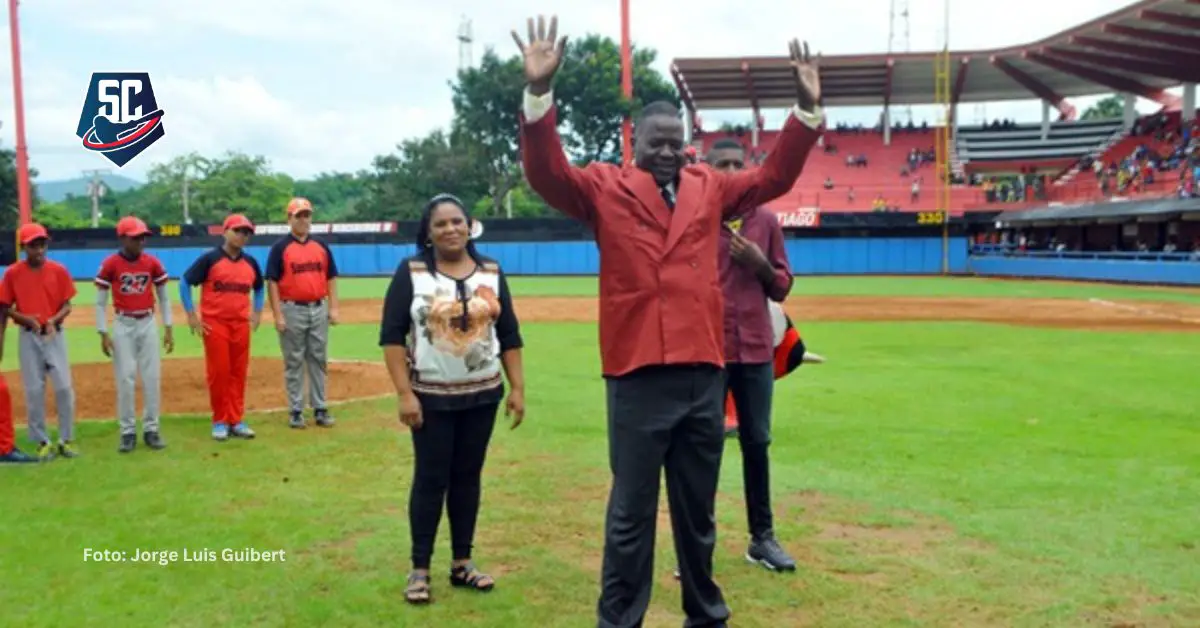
x: 131, y: 281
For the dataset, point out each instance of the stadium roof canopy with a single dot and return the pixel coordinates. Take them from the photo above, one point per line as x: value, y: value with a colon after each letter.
x: 1142, y: 49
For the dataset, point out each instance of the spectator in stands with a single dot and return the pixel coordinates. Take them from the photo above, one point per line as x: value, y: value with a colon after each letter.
x: 916, y: 189
x: 828, y: 182
x: 850, y: 195
x: 880, y: 204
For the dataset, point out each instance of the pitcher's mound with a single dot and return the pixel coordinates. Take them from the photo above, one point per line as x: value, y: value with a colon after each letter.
x: 185, y: 391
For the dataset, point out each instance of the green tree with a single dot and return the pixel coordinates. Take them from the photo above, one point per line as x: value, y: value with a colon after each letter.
x: 1109, y: 107
x: 487, y: 100
x: 334, y: 195
x: 62, y: 216
x: 588, y: 90
x: 10, y: 202
x: 522, y: 201
x: 403, y: 182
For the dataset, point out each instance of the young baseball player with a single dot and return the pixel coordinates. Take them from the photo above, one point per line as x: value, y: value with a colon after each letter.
x: 302, y: 286
x: 133, y: 345
x: 226, y: 276
x: 36, y: 294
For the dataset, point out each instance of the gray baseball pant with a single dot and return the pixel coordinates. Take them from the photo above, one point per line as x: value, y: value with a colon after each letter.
x: 304, y: 347
x: 41, y: 356
x: 135, y: 350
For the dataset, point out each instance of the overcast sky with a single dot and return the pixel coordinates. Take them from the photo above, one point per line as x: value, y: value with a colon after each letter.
x: 325, y: 85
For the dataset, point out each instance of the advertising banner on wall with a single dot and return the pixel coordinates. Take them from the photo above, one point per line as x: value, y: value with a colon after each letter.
x: 320, y: 228
x: 799, y: 218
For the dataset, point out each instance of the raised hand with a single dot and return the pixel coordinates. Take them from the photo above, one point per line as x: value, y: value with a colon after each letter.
x: 807, y: 73
x: 543, y: 54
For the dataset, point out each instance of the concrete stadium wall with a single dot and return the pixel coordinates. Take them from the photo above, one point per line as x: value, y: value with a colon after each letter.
x: 882, y: 255
x: 1178, y: 270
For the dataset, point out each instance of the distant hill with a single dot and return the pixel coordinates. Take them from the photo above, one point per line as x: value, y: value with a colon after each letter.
x: 55, y: 191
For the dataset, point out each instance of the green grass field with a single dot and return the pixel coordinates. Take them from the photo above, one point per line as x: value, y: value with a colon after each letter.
x: 931, y: 474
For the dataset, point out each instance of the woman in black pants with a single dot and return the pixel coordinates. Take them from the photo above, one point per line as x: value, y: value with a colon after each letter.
x: 448, y: 330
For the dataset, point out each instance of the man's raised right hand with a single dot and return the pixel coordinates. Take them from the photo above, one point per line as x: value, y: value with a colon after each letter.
x: 543, y: 54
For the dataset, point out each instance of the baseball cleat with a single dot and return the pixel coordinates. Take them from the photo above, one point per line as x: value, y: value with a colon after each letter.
x: 769, y: 554
x: 241, y: 430
x: 220, y: 431
x: 128, y: 442
x: 68, y: 450
x: 813, y: 358
x: 16, y: 455
x: 323, y: 418
x: 153, y: 440
x: 296, y: 421
x: 46, y: 451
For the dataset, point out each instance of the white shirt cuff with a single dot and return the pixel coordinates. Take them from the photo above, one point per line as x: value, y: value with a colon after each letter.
x: 537, y: 106
x: 812, y: 120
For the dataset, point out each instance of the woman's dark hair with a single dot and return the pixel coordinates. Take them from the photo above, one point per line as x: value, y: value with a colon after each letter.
x: 424, y: 242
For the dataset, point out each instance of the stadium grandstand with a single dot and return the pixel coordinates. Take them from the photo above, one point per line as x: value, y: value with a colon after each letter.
x: 1140, y: 51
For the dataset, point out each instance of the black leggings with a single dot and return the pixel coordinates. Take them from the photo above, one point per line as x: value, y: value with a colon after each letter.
x: 449, y: 450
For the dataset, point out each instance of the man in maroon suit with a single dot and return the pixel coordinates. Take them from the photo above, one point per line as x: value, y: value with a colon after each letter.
x: 657, y: 225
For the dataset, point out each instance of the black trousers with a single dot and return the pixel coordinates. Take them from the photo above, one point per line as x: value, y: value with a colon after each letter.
x: 672, y: 417
x: 449, y: 450
x: 752, y: 386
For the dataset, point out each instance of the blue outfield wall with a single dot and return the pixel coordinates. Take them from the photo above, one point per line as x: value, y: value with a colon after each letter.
x: 849, y: 256
x: 1177, y: 270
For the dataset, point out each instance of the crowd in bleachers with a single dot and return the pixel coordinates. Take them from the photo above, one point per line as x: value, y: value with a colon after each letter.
x: 1160, y: 148
x: 1020, y: 241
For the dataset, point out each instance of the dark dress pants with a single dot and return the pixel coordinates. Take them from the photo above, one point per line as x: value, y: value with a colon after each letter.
x: 663, y: 416
x: 752, y: 386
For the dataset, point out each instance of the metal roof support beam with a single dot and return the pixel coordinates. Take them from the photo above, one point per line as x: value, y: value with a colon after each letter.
x: 756, y: 127
x: 887, y: 83
x: 1165, y: 70
x: 1146, y: 52
x: 1172, y: 39
x: 1106, y: 79
x: 1066, y: 110
x: 685, y: 94
x: 1172, y: 19
x: 960, y: 83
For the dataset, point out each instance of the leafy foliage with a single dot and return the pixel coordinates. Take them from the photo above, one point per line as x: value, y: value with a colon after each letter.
x: 1107, y: 108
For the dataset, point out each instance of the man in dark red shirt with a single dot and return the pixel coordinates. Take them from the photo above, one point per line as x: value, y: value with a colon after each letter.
x: 754, y: 269
x: 302, y: 286
x: 657, y: 225
x: 226, y: 276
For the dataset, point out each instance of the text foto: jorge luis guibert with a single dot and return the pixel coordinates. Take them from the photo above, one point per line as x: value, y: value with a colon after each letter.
x: 204, y: 555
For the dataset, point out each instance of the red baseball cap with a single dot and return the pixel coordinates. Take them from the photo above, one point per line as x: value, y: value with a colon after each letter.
x: 238, y: 221
x: 132, y: 226
x: 32, y: 231
x: 297, y: 205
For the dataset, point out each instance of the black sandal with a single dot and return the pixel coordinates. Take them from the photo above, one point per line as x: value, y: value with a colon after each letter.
x: 468, y: 576
x: 417, y: 591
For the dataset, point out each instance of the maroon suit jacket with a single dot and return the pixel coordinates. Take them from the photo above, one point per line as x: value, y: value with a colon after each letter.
x: 660, y: 289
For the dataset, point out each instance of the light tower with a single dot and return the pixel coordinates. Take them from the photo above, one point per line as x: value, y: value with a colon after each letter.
x: 898, y: 36
x: 464, y: 44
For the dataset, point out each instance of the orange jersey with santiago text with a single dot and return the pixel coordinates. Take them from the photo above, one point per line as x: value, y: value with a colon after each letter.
x: 226, y: 284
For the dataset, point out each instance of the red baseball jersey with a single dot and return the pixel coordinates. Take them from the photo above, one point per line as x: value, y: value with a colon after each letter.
x: 129, y: 279
x: 225, y: 283
x: 36, y: 292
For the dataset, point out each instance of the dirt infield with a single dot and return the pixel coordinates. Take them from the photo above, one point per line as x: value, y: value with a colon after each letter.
x: 1094, y: 314
x: 185, y: 391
